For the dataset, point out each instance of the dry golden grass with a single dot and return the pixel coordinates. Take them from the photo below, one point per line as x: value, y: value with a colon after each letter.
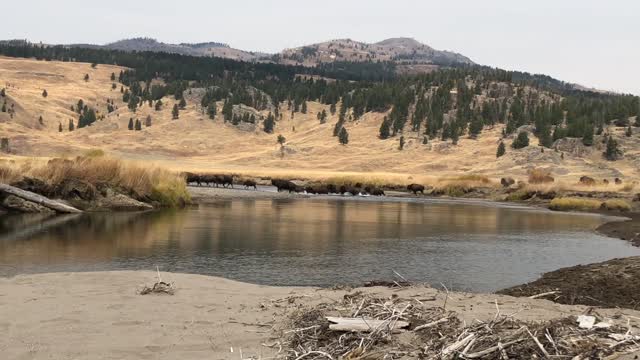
x: 145, y: 182
x: 540, y: 176
x: 580, y: 204
x: 617, y: 205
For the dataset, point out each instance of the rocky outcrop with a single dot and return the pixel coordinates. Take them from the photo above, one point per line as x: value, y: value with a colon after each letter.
x: 18, y: 204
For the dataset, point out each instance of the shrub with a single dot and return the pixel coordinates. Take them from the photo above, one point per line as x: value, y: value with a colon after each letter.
x: 521, y: 141
x: 93, y: 153
x: 616, y: 205
x: 568, y: 203
x: 540, y: 176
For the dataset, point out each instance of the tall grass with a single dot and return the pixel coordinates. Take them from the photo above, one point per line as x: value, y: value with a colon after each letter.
x: 540, y: 176
x: 142, y: 182
x: 569, y: 203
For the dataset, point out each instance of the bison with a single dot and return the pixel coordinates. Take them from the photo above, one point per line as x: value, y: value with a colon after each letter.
x: 586, y: 180
x: 506, y: 182
x: 605, y: 181
x: 377, y: 192
x: 250, y: 184
x: 618, y: 181
x: 416, y: 188
x: 192, y: 178
x: 284, y: 185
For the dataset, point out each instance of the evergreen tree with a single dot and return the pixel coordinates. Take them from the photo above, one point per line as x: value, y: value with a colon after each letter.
x: 41, y: 120
x: 343, y: 136
x: 521, y: 141
x: 269, y: 123
x: 59, y: 127
x: 113, y: 77
x: 182, y: 104
x: 332, y: 108
x: 212, y: 109
x: 629, y: 132
x: 281, y: 140
x: 158, y: 105
x: 86, y: 77
x: 501, y: 150
x: 138, y: 125
x: 304, y: 107
x: 385, y: 129
x: 612, y: 152
x: 147, y: 121
x: 71, y: 125
x: 175, y: 113
x: 322, y: 116
x: 130, y: 124
x: 133, y: 103
x: 227, y: 111
x: 475, y: 127
x: 44, y: 93
x: 401, y: 145
x: 425, y: 140
x: 587, y: 138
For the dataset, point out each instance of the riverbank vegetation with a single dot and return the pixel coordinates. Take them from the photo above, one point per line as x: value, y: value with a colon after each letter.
x: 95, y: 171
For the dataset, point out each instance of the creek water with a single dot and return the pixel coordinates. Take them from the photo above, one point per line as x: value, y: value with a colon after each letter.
x: 318, y: 242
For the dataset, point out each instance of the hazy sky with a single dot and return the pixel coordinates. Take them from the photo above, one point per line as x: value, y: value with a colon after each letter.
x: 594, y: 43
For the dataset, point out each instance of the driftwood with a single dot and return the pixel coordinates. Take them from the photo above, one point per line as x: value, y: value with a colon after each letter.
x: 38, y: 199
x: 364, y: 325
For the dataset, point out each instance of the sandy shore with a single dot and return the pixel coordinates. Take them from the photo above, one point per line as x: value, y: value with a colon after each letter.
x: 101, y: 316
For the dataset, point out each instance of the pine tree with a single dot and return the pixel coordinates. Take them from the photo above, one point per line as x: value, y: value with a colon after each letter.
x: 130, y: 124
x: 133, y: 103
x: 304, y: 107
x: 158, y: 105
x: 501, y: 150
x: 41, y: 120
x: 332, y: 108
x: 587, y: 138
x: 425, y: 140
x: 612, y: 152
x: 175, y: 113
x: 281, y: 140
x: 401, y: 146
x: 113, y: 77
x: 182, y: 104
x: 521, y: 141
x: 212, y: 109
x: 147, y: 121
x: 227, y: 111
x: 59, y: 127
x: 343, y: 136
x: 269, y: 123
x: 4, y: 107
x: 86, y: 77
x: 44, y: 93
x: 385, y: 129
x: 71, y: 125
x: 138, y: 125
x: 629, y: 132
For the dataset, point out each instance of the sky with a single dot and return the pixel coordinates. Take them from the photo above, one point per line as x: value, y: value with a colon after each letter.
x: 593, y: 43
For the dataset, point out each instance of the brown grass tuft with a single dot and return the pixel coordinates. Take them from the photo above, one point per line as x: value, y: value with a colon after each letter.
x: 540, y: 176
x: 616, y: 205
x: 568, y: 204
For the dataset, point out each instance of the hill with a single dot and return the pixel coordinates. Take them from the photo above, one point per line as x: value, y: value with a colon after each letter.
x: 196, y: 142
x: 411, y: 55
x: 402, y: 51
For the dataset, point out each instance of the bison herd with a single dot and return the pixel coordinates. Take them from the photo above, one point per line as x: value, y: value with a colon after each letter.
x: 283, y: 185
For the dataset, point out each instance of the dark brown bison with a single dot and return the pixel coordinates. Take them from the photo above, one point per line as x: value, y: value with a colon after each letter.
x: 416, y: 188
x: 506, y: 182
x: 250, y: 184
x: 283, y: 185
x: 605, y: 181
x: 377, y: 192
x: 225, y: 180
x: 332, y: 189
x: 618, y: 181
x: 192, y: 178
x: 586, y: 180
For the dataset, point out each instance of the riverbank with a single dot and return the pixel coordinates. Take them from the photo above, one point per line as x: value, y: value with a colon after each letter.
x: 101, y: 315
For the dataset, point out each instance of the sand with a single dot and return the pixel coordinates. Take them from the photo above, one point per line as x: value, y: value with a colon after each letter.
x: 99, y: 315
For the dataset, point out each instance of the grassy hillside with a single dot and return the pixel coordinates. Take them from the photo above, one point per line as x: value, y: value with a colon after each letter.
x: 195, y: 142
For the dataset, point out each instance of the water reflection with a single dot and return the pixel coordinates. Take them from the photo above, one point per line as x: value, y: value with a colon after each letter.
x: 314, y: 242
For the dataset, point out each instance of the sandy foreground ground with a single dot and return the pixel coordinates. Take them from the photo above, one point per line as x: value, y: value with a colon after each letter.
x: 100, y: 315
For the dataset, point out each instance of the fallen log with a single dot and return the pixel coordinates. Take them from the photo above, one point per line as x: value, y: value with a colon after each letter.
x: 38, y: 199
x: 365, y: 325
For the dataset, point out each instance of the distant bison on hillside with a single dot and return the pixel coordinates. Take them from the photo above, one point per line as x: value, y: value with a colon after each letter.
x: 586, y: 180
x: 506, y: 182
